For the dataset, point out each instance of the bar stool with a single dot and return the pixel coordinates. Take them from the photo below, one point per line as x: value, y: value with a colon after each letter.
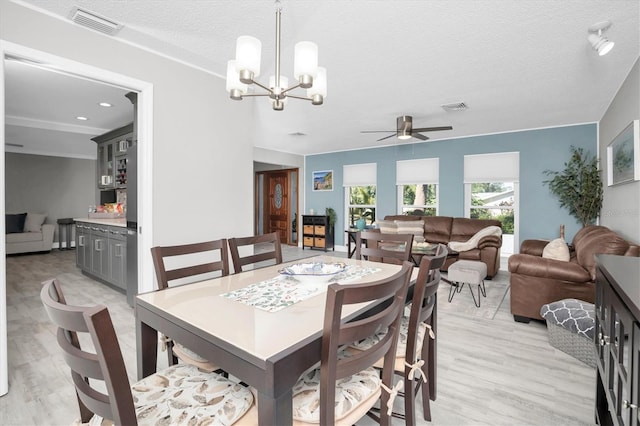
x: 66, y: 224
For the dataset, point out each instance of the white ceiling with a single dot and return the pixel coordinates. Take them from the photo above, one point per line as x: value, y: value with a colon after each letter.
x: 516, y: 64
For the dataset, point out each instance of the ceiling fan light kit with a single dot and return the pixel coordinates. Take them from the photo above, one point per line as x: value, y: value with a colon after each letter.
x: 600, y: 43
x: 244, y: 70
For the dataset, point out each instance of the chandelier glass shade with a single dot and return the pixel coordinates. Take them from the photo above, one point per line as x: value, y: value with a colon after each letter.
x: 245, y: 69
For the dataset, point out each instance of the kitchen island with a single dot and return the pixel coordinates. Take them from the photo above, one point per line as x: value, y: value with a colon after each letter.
x: 101, y: 250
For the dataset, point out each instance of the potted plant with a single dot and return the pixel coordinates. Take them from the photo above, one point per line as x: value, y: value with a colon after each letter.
x: 578, y: 186
x: 331, y: 213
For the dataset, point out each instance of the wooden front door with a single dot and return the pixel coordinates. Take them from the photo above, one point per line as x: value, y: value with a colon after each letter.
x: 277, y: 205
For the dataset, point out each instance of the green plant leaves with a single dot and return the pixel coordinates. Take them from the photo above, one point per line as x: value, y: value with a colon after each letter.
x: 579, y: 186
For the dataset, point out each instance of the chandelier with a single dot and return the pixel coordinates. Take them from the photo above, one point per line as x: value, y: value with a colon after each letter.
x: 245, y: 68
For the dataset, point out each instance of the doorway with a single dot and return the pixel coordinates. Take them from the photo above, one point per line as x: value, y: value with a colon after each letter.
x: 276, y: 204
x: 145, y: 129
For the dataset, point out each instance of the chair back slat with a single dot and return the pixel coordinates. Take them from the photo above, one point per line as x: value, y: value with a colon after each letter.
x: 192, y: 255
x: 337, y: 333
x: 92, y: 368
x: 274, y: 252
x: 380, y: 247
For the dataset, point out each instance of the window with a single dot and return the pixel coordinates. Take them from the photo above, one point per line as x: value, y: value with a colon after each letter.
x: 361, y: 204
x: 492, y: 192
x: 417, y: 182
x: 359, y: 182
x: 418, y: 199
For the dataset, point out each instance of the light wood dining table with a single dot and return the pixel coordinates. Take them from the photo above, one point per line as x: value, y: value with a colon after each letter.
x: 266, y: 350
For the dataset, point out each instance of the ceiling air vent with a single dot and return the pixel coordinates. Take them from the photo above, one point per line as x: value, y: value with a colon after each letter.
x: 456, y: 106
x: 93, y: 21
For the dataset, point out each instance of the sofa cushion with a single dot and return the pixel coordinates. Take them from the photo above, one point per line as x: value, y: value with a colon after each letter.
x: 34, y: 221
x: 437, y: 229
x: 415, y: 227
x: 463, y: 228
x: 23, y: 237
x: 556, y: 249
x: 387, y: 226
x: 14, y: 223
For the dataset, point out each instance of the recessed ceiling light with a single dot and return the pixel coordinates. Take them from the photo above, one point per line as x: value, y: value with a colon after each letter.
x: 105, y: 104
x: 81, y: 118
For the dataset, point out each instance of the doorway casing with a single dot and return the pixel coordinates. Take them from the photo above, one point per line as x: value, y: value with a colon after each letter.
x: 145, y: 166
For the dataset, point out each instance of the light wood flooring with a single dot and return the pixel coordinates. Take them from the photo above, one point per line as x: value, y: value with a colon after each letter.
x: 491, y: 371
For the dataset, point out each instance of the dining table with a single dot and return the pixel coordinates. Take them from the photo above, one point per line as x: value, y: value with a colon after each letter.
x: 261, y: 326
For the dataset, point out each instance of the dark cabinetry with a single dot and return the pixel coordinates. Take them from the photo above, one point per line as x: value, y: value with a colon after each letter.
x: 618, y: 340
x: 112, y: 157
x: 101, y: 252
x: 317, y: 233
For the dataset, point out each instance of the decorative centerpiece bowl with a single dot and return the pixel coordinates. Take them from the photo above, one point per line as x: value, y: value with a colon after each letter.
x: 313, y: 272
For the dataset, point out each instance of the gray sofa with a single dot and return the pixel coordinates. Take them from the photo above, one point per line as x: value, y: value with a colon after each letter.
x: 35, y: 237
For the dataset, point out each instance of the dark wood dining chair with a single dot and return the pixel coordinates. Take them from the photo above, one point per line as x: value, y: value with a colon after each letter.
x: 190, y: 262
x: 271, y: 240
x: 416, y: 353
x: 380, y: 247
x: 102, y: 386
x: 346, y: 386
x: 420, y: 344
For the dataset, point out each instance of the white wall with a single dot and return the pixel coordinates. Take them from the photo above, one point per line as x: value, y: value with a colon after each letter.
x: 621, y: 207
x: 202, y: 152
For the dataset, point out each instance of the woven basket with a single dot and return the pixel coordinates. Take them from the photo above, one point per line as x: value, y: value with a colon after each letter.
x: 572, y: 344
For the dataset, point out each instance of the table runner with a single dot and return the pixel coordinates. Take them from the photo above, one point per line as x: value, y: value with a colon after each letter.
x: 279, y: 292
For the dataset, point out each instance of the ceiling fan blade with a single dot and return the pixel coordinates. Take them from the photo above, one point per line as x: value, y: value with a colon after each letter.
x: 433, y: 129
x: 386, y: 137
x: 376, y: 131
x: 419, y: 136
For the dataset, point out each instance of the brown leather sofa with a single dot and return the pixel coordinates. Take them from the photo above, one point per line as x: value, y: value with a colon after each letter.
x: 443, y: 229
x: 536, y: 281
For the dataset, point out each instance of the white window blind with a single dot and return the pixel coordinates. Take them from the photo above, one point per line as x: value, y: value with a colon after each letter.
x: 359, y: 174
x: 423, y: 170
x: 496, y: 167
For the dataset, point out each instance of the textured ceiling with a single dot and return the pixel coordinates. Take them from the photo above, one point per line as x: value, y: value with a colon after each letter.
x: 516, y: 64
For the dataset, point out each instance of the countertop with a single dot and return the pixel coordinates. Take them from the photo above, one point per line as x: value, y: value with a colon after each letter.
x: 121, y: 222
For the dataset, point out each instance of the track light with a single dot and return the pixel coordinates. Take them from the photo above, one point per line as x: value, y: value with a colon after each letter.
x: 599, y: 42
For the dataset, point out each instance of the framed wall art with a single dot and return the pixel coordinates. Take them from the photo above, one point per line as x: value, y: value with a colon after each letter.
x: 623, y: 156
x: 323, y: 180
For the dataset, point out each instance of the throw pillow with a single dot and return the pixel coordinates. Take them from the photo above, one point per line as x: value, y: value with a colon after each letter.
x: 556, y: 249
x: 14, y: 223
x: 387, y: 226
x: 415, y: 227
x: 34, y: 222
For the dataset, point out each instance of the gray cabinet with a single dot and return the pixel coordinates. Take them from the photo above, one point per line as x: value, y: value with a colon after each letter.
x: 112, y: 157
x: 118, y: 257
x: 102, y: 253
x: 83, y: 246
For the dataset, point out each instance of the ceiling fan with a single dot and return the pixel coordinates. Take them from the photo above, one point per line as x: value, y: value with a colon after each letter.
x: 404, y: 129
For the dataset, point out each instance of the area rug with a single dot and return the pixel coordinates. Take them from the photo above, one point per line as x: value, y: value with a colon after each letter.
x: 462, y: 303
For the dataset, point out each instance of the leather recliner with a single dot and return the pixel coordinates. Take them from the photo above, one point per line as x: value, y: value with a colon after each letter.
x: 536, y: 281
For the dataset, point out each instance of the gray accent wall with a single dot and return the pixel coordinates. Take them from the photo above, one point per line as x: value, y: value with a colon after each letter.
x: 540, y: 150
x: 621, y: 208
x: 56, y: 186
